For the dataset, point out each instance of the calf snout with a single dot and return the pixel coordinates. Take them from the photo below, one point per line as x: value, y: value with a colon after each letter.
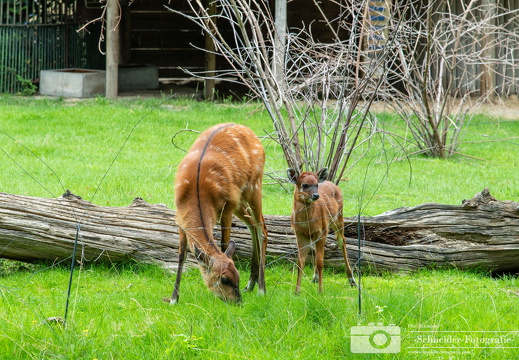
x: 315, y: 196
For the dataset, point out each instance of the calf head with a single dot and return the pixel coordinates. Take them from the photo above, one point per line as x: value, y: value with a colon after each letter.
x: 307, y: 184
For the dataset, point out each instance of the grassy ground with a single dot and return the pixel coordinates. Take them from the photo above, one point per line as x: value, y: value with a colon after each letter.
x: 77, y: 144
x: 117, y: 312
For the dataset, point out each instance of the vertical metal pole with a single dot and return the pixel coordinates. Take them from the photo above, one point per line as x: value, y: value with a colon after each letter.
x: 72, y: 267
x: 13, y: 59
x: 2, y: 61
x: 1, y: 11
x: 359, y: 254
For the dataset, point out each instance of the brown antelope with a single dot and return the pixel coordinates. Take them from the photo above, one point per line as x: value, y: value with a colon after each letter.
x: 317, y: 207
x: 221, y: 175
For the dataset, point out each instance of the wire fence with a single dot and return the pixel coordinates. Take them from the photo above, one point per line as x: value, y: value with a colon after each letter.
x: 30, y: 12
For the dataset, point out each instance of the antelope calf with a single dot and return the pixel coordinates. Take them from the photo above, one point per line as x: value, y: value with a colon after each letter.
x: 317, y: 207
x: 221, y: 175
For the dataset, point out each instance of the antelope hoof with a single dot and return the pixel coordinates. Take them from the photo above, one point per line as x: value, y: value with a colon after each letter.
x: 352, y: 282
x: 171, y: 301
x: 315, y: 279
x: 250, y: 285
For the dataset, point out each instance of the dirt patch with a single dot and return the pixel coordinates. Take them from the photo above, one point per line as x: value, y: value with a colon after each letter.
x: 505, y: 108
x: 191, y: 88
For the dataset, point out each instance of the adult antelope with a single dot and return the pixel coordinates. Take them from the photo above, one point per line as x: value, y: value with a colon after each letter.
x: 317, y: 207
x: 221, y: 175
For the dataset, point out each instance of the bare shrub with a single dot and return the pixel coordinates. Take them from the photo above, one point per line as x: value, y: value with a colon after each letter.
x: 443, y: 64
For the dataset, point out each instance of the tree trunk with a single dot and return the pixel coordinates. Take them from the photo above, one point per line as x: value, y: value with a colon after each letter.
x: 481, y: 233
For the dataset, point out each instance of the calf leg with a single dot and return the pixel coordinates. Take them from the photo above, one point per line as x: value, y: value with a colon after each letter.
x: 342, y: 244
x: 319, y: 260
x: 302, y: 251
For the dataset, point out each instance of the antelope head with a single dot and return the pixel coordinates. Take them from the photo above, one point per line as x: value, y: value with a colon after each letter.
x: 220, y: 274
x: 307, y: 184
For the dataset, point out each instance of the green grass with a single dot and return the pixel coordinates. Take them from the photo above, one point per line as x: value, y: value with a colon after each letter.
x: 84, y: 145
x: 117, y: 312
x: 48, y: 146
x: 389, y: 179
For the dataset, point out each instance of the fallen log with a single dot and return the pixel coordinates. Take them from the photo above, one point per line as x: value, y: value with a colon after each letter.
x: 481, y: 233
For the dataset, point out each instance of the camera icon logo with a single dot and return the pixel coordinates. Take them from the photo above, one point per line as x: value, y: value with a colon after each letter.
x: 375, y: 339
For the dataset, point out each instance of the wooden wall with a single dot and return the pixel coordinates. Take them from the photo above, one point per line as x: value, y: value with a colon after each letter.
x: 163, y: 38
x: 304, y: 14
x: 478, y: 79
x: 508, y: 84
x: 158, y: 36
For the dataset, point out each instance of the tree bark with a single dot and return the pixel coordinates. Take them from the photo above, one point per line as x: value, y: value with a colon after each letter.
x: 481, y: 233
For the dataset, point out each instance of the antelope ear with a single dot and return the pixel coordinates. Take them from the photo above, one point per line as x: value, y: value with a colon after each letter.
x: 322, y: 174
x: 293, y: 175
x: 202, y: 257
x: 231, y: 247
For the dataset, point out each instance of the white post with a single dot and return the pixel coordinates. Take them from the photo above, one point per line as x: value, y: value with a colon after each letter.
x: 280, y: 41
x: 488, y: 83
x: 112, y: 48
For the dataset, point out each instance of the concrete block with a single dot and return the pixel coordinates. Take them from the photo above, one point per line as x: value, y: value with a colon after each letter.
x: 82, y: 83
x: 138, y: 77
x: 78, y: 83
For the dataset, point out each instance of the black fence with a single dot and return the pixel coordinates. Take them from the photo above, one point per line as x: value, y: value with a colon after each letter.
x: 37, y: 35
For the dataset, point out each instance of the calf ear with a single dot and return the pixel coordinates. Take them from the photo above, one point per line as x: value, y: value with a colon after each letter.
x: 293, y: 175
x: 322, y: 174
x: 202, y: 257
x: 231, y: 247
